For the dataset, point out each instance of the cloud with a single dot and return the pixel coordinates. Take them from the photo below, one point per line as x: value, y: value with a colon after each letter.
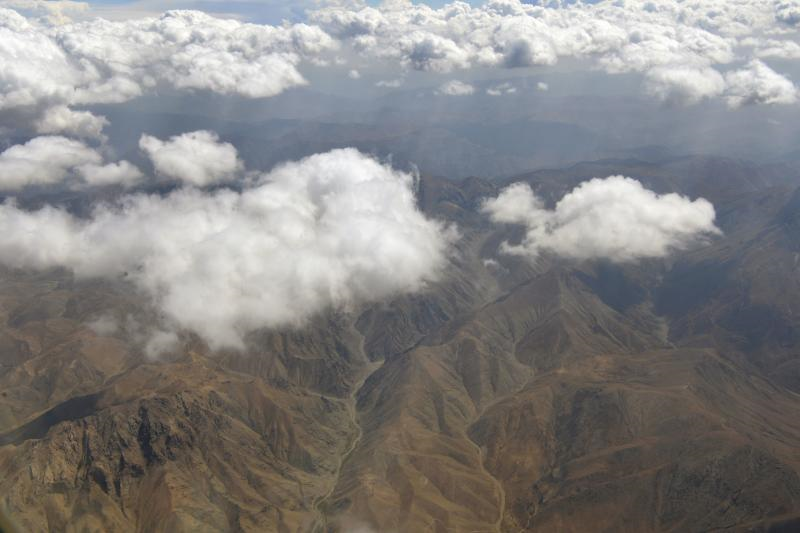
x: 542, y: 86
x: 51, y: 11
x: 346, y: 23
x: 390, y: 84
x: 614, y: 218
x: 425, y: 51
x: 775, y: 48
x: 98, y: 61
x: 160, y: 342
x: 455, y: 88
x: 48, y: 63
x: 197, y: 158
x: 755, y: 83
x: 503, y: 88
x: 189, y: 49
x: 153, y: 341
x: 354, y: 74
x: 42, y: 161
x: 328, y: 231
x: 62, y: 119
x: 103, y: 325
x: 684, y: 84
x: 788, y: 12
x: 759, y: 84
x: 119, y: 173
x: 681, y: 48
x: 52, y: 159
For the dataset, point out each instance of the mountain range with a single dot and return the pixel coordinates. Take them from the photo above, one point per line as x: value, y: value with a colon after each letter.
x: 511, y: 395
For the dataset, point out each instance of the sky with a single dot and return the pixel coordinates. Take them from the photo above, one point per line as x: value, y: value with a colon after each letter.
x: 264, y: 11
x: 261, y: 11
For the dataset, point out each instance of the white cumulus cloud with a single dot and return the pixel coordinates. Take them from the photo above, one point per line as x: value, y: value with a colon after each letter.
x: 119, y: 173
x: 614, y: 218
x: 684, y: 84
x: 788, y: 12
x: 759, y: 84
x: 328, y: 231
x: 197, y: 158
x: 455, y: 88
x: 53, y: 159
x: 42, y: 161
x: 62, y: 119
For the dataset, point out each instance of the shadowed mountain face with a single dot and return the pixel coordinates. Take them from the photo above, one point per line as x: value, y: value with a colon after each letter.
x: 554, y: 395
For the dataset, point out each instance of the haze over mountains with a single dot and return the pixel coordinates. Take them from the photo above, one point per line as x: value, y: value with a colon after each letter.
x: 499, y: 267
x: 485, y: 136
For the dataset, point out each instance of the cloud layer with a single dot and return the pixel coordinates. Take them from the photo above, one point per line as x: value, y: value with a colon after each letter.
x: 686, y: 51
x: 47, y: 66
x: 682, y: 48
x: 328, y: 231
x: 614, y: 218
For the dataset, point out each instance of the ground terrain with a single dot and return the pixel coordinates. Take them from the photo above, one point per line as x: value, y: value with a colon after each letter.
x: 510, y: 396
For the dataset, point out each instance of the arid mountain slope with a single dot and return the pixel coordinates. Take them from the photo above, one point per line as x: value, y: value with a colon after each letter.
x: 557, y: 395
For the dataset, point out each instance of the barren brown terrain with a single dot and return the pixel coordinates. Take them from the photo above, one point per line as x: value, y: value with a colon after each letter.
x: 556, y: 395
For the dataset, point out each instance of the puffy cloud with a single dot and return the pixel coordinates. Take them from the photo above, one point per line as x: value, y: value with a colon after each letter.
x: 98, y: 61
x: 684, y: 84
x: 189, y: 49
x: 515, y: 34
x: 62, y: 119
x: 354, y: 74
x: 36, y: 71
x: 672, y: 43
x: 755, y: 83
x: 788, y: 12
x: 48, y: 160
x: 542, y: 86
x: 328, y: 231
x: 43, y: 160
x: 197, y: 158
x: 759, y: 84
x: 614, y: 218
x: 775, y: 48
x: 455, y: 88
x: 680, y: 47
x: 345, y: 23
x: 429, y: 52
x: 119, y: 173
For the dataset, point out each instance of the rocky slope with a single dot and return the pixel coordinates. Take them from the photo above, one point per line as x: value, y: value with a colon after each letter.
x: 555, y: 396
